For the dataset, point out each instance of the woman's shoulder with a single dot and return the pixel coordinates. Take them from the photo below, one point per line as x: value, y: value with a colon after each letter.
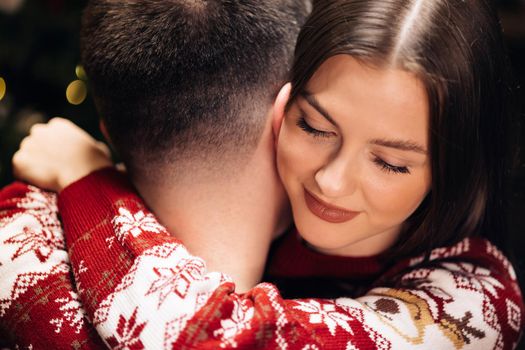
x: 477, y: 252
x: 471, y: 263
x: 469, y: 286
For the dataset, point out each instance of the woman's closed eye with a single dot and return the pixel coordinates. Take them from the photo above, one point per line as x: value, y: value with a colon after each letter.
x: 301, y: 123
x: 389, y: 168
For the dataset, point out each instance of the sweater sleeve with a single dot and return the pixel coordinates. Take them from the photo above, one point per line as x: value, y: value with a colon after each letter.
x: 143, y: 289
x: 39, y: 307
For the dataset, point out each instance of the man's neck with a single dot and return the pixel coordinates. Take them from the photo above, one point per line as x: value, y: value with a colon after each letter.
x: 228, y: 220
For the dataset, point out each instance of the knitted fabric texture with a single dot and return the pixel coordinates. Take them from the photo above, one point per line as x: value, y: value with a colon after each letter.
x: 142, y: 289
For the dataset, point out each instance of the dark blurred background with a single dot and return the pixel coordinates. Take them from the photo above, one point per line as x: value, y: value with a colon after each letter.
x: 40, y: 78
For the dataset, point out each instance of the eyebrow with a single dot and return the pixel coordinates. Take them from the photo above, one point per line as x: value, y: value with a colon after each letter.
x: 397, y: 144
x: 400, y: 144
x: 312, y: 101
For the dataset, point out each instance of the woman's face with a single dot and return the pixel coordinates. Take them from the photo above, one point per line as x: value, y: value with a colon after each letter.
x: 352, y: 154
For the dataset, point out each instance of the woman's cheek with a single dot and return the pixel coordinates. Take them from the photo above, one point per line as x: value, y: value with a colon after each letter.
x: 300, y: 156
x: 289, y: 150
x: 393, y: 196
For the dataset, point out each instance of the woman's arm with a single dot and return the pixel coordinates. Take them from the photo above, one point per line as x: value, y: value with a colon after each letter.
x: 39, y: 307
x: 141, y: 286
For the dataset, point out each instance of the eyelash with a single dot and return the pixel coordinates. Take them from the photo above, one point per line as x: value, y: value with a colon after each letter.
x: 389, y: 168
x: 386, y: 167
x: 301, y: 123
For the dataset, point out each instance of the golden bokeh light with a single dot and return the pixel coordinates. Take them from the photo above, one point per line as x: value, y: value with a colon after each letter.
x: 80, y: 72
x: 76, y: 92
x: 3, y: 88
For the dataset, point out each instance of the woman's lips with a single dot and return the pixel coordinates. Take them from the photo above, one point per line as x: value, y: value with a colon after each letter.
x: 326, y: 211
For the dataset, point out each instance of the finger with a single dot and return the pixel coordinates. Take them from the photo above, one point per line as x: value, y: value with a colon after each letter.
x: 57, y: 120
x: 62, y: 123
x: 36, y: 128
x: 19, y: 162
x: 24, y: 143
x: 30, y: 144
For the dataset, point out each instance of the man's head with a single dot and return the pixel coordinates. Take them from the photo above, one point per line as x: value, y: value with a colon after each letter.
x: 182, y: 80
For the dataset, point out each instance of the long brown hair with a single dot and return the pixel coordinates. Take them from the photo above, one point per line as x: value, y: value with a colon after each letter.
x: 455, y: 48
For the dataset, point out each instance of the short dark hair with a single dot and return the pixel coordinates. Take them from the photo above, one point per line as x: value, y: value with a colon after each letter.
x: 178, y: 79
x: 456, y: 49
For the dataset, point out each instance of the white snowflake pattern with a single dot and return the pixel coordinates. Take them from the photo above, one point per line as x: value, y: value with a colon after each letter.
x: 82, y: 267
x: 41, y: 237
x: 73, y: 313
x: 40, y: 240
x: 325, y: 313
x: 127, y: 223
x: 39, y: 201
x: 231, y: 327
x: 176, y: 280
x: 109, y: 241
x: 469, y: 276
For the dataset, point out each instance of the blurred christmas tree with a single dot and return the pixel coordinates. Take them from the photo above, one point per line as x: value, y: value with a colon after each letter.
x: 39, y: 54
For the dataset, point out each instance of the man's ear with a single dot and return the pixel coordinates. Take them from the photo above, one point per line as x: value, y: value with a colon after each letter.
x: 279, y: 107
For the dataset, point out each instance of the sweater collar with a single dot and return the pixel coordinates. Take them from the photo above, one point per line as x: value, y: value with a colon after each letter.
x: 292, y: 257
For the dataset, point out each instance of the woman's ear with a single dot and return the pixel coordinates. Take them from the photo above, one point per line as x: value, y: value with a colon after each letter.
x: 279, y: 107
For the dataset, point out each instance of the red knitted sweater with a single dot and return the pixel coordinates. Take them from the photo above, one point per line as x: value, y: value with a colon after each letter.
x: 142, y: 289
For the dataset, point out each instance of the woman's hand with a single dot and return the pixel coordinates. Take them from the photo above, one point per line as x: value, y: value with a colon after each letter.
x: 57, y: 154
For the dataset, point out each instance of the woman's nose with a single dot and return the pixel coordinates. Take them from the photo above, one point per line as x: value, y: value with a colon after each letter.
x: 337, y: 178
